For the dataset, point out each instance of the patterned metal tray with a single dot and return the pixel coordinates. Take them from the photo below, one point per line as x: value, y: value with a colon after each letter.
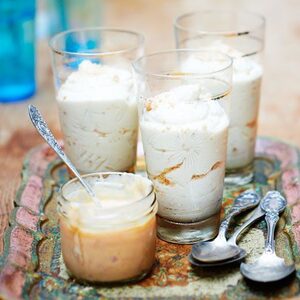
x: 31, y: 266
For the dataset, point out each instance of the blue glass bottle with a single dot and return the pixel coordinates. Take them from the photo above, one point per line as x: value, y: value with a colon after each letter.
x: 17, y: 50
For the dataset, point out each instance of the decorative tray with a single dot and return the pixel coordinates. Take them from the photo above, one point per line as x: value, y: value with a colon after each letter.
x: 31, y: 266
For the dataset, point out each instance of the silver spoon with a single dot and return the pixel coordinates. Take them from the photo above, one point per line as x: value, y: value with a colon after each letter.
x: 197, y: 263
x: 258, y: 213
x: 219, y: 249
x: 43, y: 129
x: 269, y: 267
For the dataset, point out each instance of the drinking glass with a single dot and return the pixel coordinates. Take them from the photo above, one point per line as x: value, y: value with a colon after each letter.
x: 17, y: 51
x: 240, y: 35
x: 184, y: 121
x: 96, y: 96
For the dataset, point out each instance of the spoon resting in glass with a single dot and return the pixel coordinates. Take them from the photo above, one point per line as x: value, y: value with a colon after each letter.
x: 43, y: 129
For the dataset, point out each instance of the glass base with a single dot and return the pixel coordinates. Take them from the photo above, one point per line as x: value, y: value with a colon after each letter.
x: 239, y: 176
x: 187, y: 233
x: 111, y: 283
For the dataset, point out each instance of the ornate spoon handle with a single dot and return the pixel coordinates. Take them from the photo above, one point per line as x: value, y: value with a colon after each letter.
x: 43, y: 129
x: 258, y: 213
x: 244, y: 201
x: 273, y: 204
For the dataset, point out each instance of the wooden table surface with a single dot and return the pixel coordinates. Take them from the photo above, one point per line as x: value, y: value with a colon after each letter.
x: 280, y: 103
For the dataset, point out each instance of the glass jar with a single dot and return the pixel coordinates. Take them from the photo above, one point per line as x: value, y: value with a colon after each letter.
x: 113, y: 241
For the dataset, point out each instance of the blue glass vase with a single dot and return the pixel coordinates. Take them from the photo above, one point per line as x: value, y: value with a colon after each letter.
x: 17, y: 50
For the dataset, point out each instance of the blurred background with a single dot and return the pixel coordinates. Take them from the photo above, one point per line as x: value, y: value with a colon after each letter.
x: 280, y: 104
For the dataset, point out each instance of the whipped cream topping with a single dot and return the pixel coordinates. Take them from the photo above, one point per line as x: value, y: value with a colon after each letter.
x: 185, y: 105
x: 95, y: 82
x: 116, y: 194
x: 219, y: 45
x: 243, y: 67
x: 200, y: 65
x: 246, y: 82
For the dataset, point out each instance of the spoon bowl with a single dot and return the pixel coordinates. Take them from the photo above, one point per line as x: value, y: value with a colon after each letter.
x: 215, y: 251
x: 220, y: 249
x: 232, y: 260
x: 258, y: 213
x: 269, y: 267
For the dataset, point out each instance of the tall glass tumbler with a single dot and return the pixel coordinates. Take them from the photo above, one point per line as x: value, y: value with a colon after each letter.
x: 184, y: 123
x: 17, y: 50
x: 240, y: 35
x: 96, y: 96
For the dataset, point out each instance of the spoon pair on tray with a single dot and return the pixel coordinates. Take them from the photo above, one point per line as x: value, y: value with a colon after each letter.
x: 221, y: 251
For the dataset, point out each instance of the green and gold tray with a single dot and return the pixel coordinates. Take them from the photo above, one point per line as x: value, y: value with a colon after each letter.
x: 31, y: 266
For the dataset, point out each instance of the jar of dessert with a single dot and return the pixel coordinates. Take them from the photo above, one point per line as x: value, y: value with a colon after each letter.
x: 111, y: 238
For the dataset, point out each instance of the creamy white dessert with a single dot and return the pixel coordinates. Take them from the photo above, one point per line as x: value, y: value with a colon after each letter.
x: 113, y: 192
x: 184, y: 136
x: 98, y: 116
x: 246, y: 82
x: 247, y: 75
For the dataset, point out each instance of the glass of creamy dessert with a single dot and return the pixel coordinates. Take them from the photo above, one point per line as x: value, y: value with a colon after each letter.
x: 113, y: 241
x: 184, y: 123
x: 241, y: 36
x: 96, y: 97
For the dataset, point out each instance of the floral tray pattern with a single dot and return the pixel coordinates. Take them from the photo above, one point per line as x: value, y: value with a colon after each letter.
x: 31, y: 266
